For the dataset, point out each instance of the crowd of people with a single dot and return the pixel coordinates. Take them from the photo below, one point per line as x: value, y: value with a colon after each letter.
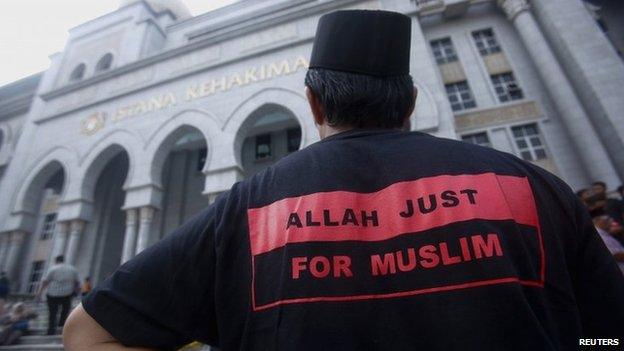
x: 607, y: 212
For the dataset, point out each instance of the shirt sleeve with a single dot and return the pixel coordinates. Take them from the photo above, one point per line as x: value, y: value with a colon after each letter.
x: 599, y: 283
x: 164, y: 297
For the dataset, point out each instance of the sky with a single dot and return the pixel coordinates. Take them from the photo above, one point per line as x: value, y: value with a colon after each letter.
x: 32, y: 30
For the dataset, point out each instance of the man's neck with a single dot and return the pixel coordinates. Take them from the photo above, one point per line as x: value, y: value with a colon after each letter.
x: 329, y: 131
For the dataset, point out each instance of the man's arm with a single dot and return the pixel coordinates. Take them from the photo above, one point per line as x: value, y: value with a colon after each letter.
x: 81, y: 332
x: 42, y: 287
x: 163, y: 298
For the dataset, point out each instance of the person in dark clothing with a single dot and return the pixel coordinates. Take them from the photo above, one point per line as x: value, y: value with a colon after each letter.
x: 5, y: 287
x: 613, y: 207
x: 374, y: 238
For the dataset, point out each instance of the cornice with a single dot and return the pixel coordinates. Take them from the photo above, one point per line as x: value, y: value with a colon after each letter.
x: 210, y: 37
x: 149, y: 85
x: 17, y: 105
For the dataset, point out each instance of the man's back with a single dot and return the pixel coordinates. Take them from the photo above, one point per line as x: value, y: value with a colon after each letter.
x: 62, y: 278
x: 378, y: 240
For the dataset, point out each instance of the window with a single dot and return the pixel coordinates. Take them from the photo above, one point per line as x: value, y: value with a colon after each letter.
x: 294, y: 139
x: 477, y: 139
x: 49, y: 223
x: 104, y: 63
x: 78, y: 72
x: 263, y: 146
x: 36, y: 273
x: 459, y: 96
x: 486, y: 41
x: 443, y: 50
x: 506, y: 87
x: 529, y: 142
x: 201, y: 159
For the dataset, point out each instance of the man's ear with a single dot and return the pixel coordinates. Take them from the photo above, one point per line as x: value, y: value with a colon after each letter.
x: 315, y: 107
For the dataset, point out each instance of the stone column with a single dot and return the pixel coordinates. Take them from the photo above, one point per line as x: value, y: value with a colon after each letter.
x: 60, y: 240
x: 15, y: 246
x: 5, y: 239
x: 130, y: 235
x: 588, y: 146
x: 75, y: 232
x: 146, y: 215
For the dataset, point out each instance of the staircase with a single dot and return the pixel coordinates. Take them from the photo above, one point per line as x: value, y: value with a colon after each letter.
x: 36, y: 342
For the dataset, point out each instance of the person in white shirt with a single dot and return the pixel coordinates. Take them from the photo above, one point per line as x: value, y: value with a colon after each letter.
x: 602, y: 222
x: 62, y: 283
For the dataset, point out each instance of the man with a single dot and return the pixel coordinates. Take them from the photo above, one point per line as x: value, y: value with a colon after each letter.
x: 613, y: 207
x: 603, y: 223
x: 62, y: 283
x: 371, y: 239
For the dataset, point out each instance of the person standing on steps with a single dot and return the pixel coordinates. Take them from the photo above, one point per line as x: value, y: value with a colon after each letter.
x: 62, y: 284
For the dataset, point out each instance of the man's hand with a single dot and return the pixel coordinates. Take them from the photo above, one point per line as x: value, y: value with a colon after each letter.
x: 82, y: 333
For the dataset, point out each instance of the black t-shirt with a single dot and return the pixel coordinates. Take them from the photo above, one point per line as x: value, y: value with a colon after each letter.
x: 376, y: 240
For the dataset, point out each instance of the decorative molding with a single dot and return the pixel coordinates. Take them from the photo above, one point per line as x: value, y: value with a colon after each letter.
x: 131, y: 217
x: 513, y: 7
x: 17, y: 105
x: 62, y: 227
x: 496, y: 63
x: 18, y: 236
x: 77, y: 226
x: 452, y: 72
x: 146, y: 214
x: 521, y: 111
x: 213, y: 36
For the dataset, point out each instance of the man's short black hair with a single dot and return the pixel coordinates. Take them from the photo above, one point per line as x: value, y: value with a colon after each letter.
x: 59, y: 259
x: 620, y: 189
x: 362, y: 101
x: 602, y: 184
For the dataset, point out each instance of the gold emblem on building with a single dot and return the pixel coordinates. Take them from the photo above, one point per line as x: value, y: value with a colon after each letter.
x: 93, y: 123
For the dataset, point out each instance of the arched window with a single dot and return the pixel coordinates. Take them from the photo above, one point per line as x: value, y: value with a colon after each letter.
x: 78, y: 72
x: 104, y: 63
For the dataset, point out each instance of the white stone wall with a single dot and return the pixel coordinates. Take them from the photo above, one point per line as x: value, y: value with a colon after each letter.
x: 593, y: 67
x: 489, y: 16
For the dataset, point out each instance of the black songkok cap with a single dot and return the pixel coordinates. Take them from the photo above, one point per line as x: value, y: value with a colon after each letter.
x: 375, y: 43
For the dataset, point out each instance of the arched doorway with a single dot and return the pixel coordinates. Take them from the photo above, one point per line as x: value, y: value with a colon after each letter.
x: 179, y: 169
x: 108, y: 224
x: 43, y: 200
x: 269, y: 133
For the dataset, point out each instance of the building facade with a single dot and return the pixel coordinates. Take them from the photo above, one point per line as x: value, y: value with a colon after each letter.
x: 148, y: 113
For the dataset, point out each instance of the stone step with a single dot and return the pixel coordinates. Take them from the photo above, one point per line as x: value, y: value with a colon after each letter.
x: 42, y: 347
x: 40, y: 339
